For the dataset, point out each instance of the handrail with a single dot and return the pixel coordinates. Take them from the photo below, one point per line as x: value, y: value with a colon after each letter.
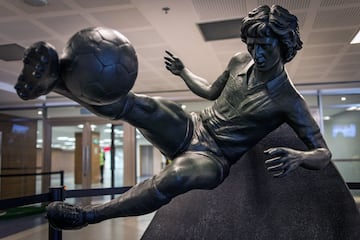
x: 22, y: 201
x: 30, y: 174
x: 59, y: 194
x: 35, y: 174
x: 92, y: 192
x: 353, y: 185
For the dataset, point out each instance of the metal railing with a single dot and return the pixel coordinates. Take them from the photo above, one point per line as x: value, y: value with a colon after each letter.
x: 58, y: 193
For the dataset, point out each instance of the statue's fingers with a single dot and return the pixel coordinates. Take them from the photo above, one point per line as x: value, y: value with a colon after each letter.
x: 169, y: 53
x: 276, y: 168
x: 273, y: 161
x: 275, y: 151
x: 279, y: 174
x: 167, y: 63
x: 168, y: 59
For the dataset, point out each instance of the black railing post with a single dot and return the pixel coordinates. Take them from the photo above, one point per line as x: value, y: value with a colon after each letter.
x: 62, y: 177
x: 57, y: 194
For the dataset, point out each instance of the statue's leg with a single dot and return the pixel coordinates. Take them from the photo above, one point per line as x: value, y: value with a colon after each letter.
x: 187, y: 172
x: 164, y: 123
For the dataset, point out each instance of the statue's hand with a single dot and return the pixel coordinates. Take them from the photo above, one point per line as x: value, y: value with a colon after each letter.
x: 173, y: 64
x: 283, y: 160
x: 40, y: 72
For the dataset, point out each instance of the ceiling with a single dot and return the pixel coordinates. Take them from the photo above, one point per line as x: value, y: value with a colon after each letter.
x: 326, y: 26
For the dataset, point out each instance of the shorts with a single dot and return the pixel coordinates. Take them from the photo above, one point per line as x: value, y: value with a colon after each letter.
x: 203, y: 144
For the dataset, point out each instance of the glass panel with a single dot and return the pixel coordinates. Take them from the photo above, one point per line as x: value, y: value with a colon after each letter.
x: 63, y: 155
x: 70, y: 111
x: 149, y: 160
x: 342, y: 133
x: 311, y: 100
x: 19, y: 154
x: 342, y: 125
x: 67, y: 154
x: 118, y: 162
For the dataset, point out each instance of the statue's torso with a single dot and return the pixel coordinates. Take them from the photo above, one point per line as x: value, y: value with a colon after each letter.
x: 243, y: 115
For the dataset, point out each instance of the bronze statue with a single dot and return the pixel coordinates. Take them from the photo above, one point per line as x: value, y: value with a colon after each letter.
x: 252, y: 97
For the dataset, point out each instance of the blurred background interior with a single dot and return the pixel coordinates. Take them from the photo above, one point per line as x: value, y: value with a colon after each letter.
x: 47, y: 134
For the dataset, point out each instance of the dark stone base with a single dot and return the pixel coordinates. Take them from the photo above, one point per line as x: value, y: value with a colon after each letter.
x: 251, y: 204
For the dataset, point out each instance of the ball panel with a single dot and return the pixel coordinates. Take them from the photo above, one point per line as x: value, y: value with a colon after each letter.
x: 93, y: 92
x: 109, y: 78
x: 127, y: 80
x: 107, y: 53
x: 84, y: 41
x: 127, y: 57
x: 113, y: 36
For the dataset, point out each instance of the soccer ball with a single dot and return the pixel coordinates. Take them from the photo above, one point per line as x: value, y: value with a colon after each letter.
x: 99, y: 65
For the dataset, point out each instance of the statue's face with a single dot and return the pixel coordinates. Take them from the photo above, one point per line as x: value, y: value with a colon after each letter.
x: 265, y: 51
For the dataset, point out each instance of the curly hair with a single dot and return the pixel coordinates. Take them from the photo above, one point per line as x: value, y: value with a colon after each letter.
x: 275, y: 22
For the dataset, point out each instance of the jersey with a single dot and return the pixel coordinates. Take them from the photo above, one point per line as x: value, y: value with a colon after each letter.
x: 243, y: 114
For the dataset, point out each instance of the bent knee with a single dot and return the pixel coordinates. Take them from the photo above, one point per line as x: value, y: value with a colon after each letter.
x: 174, y: 178
x: 187, y: 174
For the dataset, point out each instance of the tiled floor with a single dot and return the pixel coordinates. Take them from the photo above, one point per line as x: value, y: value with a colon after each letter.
x: 129, y: 228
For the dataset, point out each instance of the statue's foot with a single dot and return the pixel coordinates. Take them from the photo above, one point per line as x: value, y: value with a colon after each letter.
x: 66, y: 216
x: 40, y: 71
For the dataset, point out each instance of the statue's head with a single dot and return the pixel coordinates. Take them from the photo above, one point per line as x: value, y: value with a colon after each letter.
x: 275, y: 22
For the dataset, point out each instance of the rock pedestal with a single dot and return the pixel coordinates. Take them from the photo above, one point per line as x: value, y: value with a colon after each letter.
x: 251, y: 204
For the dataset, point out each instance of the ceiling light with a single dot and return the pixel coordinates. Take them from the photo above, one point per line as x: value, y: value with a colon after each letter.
x: 37, y: 3
x: 353, y: 108
x: 356, y: 39
x: 107, y: 130
x: 343, y: 98
x: 62, y: 138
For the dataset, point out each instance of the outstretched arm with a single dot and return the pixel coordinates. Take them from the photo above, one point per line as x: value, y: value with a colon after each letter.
x: 196, y: 84
x: 284, y: 160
